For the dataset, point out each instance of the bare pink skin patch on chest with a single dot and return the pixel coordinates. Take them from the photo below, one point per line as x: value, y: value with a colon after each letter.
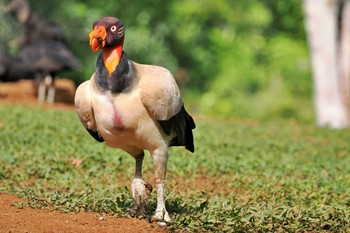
x: 117, y: 121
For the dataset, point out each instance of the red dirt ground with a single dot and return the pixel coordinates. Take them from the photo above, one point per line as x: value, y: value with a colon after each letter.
x: 14, y: 219
x: 25, y: 92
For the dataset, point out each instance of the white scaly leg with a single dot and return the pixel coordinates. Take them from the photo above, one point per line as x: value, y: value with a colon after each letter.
x: 52, y: 90
x: 160, y: 159
x: 140, y: 189
x: 41, y: 88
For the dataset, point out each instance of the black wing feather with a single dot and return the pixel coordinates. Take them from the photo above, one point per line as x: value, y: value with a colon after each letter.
x: 95, y: 135
x: 182, y: 124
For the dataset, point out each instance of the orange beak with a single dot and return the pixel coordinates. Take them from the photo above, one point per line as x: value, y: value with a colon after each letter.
x: 98, y: 38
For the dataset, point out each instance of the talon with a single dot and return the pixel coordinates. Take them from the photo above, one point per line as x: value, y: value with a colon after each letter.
x: 149, y: 188
x: 131, y: 212
x: 140, y: 192
x: 161, y: 216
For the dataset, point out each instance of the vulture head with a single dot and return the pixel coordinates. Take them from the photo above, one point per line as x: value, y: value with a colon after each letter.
x: 21, y: 8
x: 108, y: 32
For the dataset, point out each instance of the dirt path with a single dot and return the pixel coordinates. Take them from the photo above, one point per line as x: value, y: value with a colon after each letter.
x: 14, y: 219
x: 25, y: 92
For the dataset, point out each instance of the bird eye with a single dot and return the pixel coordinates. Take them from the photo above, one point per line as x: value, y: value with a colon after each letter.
x: 113, y: 28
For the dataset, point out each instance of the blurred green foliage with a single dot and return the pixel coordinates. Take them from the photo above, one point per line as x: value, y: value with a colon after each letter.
x: 233, y: 57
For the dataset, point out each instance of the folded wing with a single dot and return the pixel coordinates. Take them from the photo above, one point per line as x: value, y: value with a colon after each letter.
x: 161, y: 96
x: 83, y: 103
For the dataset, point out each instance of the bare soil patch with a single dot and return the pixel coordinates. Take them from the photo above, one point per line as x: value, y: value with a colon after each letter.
x: 25, y: 92
x: 14, y: 219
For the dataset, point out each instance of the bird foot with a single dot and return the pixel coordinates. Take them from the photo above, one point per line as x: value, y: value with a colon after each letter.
x: 140, y: 191
x: 161, y: 215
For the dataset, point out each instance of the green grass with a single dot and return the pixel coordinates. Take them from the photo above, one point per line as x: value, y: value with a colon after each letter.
x: 245, y: 176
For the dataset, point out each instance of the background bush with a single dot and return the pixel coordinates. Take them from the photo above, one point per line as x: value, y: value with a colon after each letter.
x: 233, y: 58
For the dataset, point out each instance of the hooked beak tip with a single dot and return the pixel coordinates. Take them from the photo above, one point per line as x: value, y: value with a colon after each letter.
x: 95, y: 43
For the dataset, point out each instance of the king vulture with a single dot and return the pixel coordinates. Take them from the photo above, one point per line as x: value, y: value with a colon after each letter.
x: 35, y: 27
x: 13, y: 69
x: 133, y: 107
x: 43, y: 47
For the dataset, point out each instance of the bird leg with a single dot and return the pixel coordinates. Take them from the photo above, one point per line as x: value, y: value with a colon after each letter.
x: 140, y: 189
x: 51, y: 91
x: 160, y: 159
x: 41, y: 89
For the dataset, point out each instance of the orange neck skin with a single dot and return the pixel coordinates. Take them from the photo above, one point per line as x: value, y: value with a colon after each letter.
x: 112, y: 56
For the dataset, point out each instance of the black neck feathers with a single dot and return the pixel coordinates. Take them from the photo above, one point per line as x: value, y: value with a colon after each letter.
x: 119, y: 80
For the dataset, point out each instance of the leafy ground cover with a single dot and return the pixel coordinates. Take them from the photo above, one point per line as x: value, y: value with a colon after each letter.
x: 244, y: 176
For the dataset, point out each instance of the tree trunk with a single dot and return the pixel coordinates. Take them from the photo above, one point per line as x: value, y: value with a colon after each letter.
x: 322, y: 30
x: 344, y: 56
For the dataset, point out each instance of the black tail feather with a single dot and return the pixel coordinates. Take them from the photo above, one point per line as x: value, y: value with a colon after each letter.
x: 190, y: 125
x: 182, y: 124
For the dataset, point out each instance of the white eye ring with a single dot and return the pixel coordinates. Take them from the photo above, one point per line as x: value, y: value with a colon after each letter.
x: 113, y: 28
